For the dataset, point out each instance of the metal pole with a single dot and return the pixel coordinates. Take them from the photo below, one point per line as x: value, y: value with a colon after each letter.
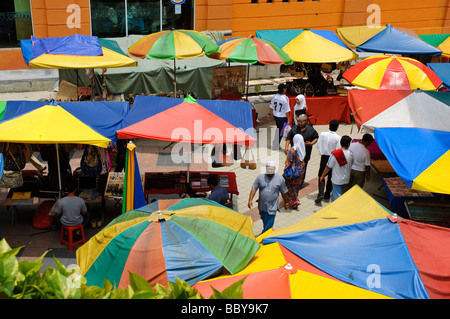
x: 59, y: 171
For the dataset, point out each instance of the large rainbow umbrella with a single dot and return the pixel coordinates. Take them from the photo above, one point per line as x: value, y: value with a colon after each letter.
x: 395, y: 257
x: 173, y: 45
x: 251, y: 50
x: 277, y: 273
x: 392, y: 73
x: 190, y: 240
x: 391, y: 256
x: 421, y: 157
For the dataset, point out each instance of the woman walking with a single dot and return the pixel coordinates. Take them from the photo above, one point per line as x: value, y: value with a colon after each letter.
x: 295, y: 159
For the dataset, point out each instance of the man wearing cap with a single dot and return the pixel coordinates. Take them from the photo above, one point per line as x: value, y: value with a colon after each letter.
x: 280, y: 110
x: 310, y: 136
x: 270, y: 186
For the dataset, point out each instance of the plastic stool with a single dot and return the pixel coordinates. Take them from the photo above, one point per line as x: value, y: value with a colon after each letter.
x: 70, y: 230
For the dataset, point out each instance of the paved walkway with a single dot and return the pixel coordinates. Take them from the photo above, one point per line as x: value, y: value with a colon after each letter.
x: 36, y: 242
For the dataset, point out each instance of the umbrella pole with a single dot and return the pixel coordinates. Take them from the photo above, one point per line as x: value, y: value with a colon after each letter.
x: 92, y: 85
x: 59, y: 171
x: 175, y: 77
x: 248, y: 77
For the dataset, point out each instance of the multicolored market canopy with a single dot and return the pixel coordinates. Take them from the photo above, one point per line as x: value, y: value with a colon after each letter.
x: 173, y: 44
x: 400, y: 108
x: 188, y: 122
x: 190, y: 240
x: 421, y: 157
x: 355, y: 206
x: 251, y: 50
x: 382, y: 255
x: 277, y: 273
x: 385, y: 72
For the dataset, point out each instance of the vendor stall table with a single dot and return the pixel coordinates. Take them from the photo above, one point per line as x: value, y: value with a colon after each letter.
x: 176, y: 183
x: 382, y: 166
x: 398, y: 192
x: 13, y: 203
x: 325, y: 108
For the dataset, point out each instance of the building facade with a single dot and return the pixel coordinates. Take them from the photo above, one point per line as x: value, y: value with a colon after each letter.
x: 19, y: 19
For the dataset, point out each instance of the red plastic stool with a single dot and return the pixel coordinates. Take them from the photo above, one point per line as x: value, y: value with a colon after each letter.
x: 69, y: 231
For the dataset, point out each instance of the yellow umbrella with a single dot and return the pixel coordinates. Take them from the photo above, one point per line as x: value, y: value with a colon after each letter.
x: 109, y: 59
x: 309, y: 47
x: 50, y: 125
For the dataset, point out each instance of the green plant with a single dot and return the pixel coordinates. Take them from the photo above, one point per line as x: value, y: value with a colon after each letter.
x: 23, y: 280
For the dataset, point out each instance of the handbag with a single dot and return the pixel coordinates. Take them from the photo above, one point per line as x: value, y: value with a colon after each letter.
x: 13, y: 179
x: 11, y: 163
x: 292, y: 172
x: 246, y: 162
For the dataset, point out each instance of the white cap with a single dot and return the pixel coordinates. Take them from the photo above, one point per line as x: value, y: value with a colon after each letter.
x: 271, y: 163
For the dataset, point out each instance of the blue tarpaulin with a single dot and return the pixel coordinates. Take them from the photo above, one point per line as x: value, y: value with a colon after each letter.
x: 76, y: 44
x: 394, y: 41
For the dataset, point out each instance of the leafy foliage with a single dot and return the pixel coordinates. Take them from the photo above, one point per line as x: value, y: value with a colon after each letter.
x: 23, y: 280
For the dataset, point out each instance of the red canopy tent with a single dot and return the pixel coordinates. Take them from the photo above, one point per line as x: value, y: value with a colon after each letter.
x: 188, y: 122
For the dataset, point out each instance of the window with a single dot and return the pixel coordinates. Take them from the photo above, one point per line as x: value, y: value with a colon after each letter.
x: 118, y: 18
x: 254, y: 1
x: 15, y: 22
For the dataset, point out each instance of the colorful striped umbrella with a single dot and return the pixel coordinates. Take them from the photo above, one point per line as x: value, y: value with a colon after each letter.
x: 400, y: 108
x: 277, y: 273
x: 421, y: 157
x: 391, y: 256
x: 360, y: 246
x: 172, y: 45
x: 190, y: 240
x: 251, y: 50
x: 392, y: 73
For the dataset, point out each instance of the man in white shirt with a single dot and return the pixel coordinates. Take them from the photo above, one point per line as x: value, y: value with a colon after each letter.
x: 327, y: 143
x: 341, y: 161
x: 361, y: 166
x: 280, y: 110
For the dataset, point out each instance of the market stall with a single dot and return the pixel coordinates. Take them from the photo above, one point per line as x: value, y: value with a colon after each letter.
x: 323, y: 109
